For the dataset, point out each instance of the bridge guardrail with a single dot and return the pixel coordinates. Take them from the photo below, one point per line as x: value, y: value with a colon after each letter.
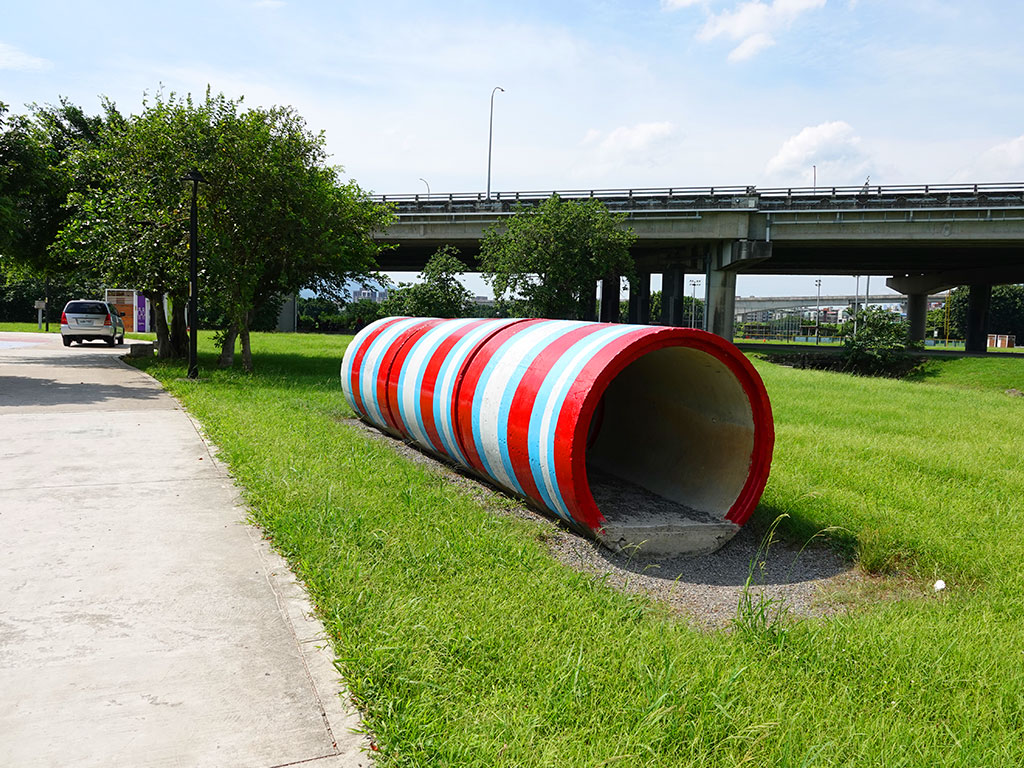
x: 767, y: 200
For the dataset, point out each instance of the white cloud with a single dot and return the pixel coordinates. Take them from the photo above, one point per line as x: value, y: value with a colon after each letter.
x: 752, y: 46
x: 833, y: 148
x: 15, y: 58
x: 1003, y: 162
x: 640, y: 145
x: 753, y: 23
x: 675, y: 5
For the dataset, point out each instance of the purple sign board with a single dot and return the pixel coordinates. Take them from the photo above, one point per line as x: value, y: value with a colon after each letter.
x: 140, y: 313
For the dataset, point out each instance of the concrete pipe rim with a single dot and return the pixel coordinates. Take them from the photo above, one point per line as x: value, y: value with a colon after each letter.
x: 723, y: 352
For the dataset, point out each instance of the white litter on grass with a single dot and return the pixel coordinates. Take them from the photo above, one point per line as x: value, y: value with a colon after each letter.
x: 940, y: 585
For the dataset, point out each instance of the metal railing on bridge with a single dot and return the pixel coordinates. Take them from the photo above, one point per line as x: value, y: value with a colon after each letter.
x: 660, y: 199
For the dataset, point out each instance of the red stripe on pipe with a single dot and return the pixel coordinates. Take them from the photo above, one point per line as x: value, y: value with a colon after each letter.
x: 357, y: 362
x: 573, y: 426
x: 427, y: 388
x: 523, y: 401
x: 472, y: 370
x: 394, y: 360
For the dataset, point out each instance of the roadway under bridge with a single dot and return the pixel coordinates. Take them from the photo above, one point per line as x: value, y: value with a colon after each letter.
x: 924, y: 239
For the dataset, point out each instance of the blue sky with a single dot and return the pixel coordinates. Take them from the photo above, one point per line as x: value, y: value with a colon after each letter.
x: 597, y: 94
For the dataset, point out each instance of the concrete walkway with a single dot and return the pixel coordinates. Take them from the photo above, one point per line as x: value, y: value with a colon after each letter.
x: 142, y: 623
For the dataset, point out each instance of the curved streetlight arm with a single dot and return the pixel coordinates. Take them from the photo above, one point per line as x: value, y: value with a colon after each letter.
x: 490, y: 138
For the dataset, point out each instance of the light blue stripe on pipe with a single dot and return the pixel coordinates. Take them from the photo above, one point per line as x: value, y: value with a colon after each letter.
x: 548, y: 408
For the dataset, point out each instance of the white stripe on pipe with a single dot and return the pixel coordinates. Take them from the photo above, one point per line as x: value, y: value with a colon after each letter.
x: 371, y: 364
x: 411, y: 379
x: 503, y: 373
x: 349, y: 360
x: 566, y: 373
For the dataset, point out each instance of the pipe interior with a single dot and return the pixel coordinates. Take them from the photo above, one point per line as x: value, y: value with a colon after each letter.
x: 673, y: 435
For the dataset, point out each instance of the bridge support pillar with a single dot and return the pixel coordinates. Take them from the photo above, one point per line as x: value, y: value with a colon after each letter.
x: 672, y: 292
x: 720, y: 308
x: 917, y: 316
x: 610, y: 299
x: 640, y: 299
x: 977, y: 318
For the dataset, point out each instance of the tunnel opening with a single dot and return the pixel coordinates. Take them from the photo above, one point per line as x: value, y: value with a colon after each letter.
x: 669, y: 452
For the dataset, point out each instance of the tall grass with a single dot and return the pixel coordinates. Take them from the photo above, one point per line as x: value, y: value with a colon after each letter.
x: 467, y: 645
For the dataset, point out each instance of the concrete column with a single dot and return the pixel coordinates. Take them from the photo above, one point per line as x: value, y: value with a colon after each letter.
x: 917, y: 316
x: 610, y: 299
x: 977, y: 318
x: 640, y: 299
x: 672, y: 291
x: 720, y: 307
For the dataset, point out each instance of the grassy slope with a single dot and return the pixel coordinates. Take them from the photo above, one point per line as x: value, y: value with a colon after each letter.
x: 467, y: 645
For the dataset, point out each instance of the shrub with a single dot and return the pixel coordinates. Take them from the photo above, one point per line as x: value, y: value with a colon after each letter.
x: 879, y: 347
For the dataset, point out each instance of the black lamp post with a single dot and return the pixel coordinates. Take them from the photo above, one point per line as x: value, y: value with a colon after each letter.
x: 193, y: 276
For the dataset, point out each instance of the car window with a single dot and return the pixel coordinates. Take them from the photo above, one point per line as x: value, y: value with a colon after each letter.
x: 86, y: 308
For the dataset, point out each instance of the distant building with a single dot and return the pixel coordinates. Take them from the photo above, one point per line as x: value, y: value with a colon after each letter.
x: 373, y: 294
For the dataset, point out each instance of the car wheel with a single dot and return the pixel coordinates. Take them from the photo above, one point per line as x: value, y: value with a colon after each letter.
x: 66, y: 340
x: 120, y: 342
x: 110, y: 341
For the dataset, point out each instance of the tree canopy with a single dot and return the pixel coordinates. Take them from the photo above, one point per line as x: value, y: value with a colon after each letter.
x: 1005, y: 314
x: 274, y: 217
x: 34, y: 184
x: 440, y: 294
x: 546, y: 261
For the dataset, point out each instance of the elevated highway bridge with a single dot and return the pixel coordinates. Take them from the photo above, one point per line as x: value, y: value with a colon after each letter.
x: 923, y: 238
x: 745, y: 305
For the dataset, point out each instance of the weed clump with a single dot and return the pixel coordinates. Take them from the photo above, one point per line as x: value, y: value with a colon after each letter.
x: 879, y: 348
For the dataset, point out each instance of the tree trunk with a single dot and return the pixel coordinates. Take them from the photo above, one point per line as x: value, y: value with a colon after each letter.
x: 246, y: 349
x: 179, y: 331
x: 227, y: 347
x: 163, y: 335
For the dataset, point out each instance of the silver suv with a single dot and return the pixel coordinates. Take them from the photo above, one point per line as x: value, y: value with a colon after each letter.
x: 85, y: 320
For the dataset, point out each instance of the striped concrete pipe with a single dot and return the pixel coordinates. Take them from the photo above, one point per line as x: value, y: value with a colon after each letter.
x: 651, y: 437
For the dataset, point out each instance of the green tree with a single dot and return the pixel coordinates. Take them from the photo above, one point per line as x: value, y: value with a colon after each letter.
x: 34, y: 185
x: 546, y: 260
x: 440, y: 294
x: 274, y: 217
x: 359, y: 314
x: 1005, y: 313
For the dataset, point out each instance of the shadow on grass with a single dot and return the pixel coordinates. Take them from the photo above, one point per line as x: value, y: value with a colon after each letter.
x: 299, y: 366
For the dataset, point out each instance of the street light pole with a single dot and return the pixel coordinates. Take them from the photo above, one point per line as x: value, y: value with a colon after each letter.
x: 817, y: 313
x: 490, y: 139
x: 428, y: 187
x: 693, y: 303
x: 193, y: 276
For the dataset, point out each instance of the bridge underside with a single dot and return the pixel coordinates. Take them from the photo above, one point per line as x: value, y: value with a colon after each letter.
x: 942, y: 243
x: 786, y: 258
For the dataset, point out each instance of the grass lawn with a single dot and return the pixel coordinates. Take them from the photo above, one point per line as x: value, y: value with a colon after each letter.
x: 30, y: 327
x: 467, y: 645
x: 55, y: 328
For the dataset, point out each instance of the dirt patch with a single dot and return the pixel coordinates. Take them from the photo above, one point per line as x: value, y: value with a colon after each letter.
x: 704, y: 589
